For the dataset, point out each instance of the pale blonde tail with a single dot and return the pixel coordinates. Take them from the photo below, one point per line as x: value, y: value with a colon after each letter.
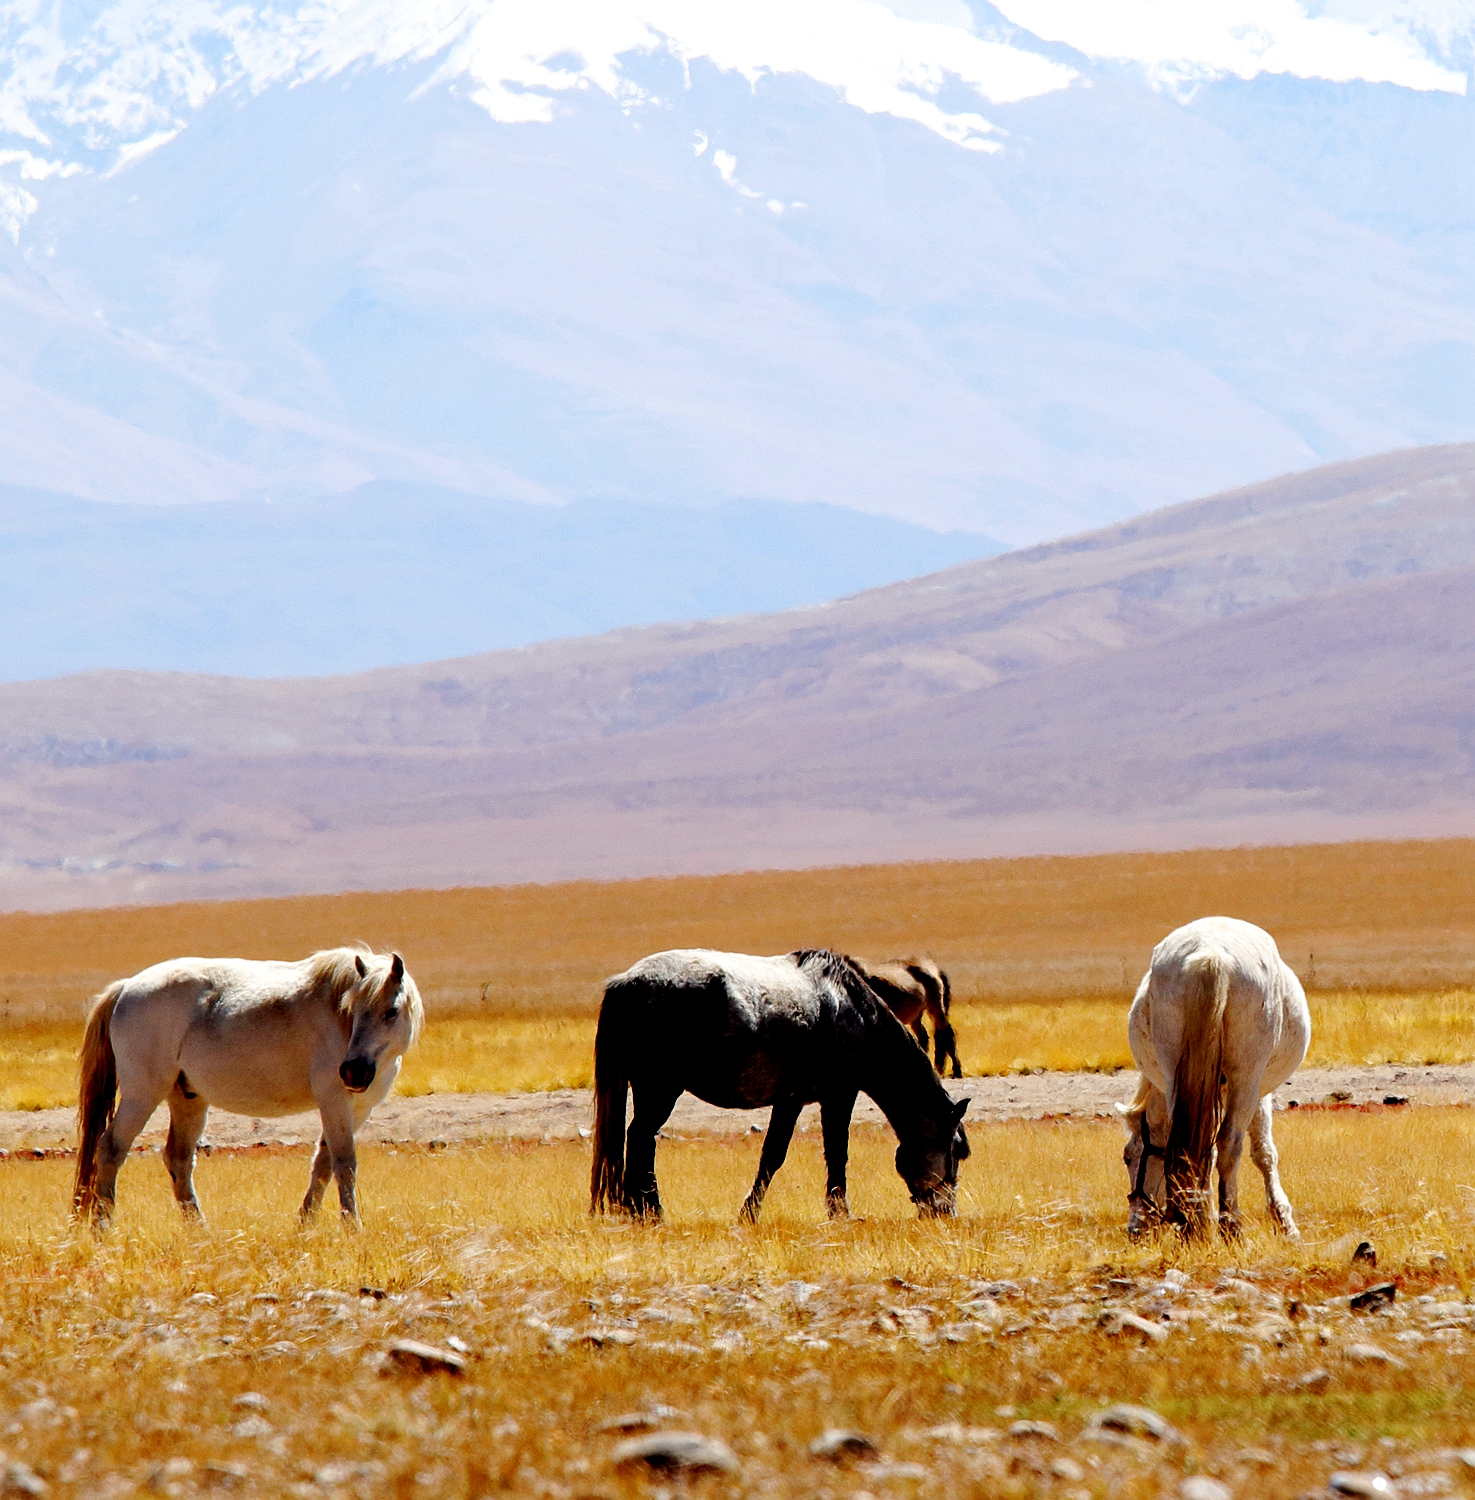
x: 97, y: 1095
x: 1198, y: 1109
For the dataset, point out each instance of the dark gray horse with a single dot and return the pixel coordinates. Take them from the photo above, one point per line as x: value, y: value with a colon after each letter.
x: 741, y: 1032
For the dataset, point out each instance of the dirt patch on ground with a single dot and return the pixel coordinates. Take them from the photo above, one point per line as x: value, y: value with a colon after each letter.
x: 566, y: 1113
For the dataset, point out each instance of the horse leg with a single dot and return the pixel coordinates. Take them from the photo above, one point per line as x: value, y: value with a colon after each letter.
x: 1267, y: 1158
x: 652, y: 1109
x: 946, y: 1042
x: 780, y: 1132
x: 113, y: 1146
x: 317, y: 1183
x: 834, y: 1119
x: 337, y: 1116
x: 1239, y: 1109
x: 186, y: 1125
x: 920, y: 1032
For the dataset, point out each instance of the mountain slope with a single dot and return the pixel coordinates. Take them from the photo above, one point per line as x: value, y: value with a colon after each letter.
x: 1289, y: 660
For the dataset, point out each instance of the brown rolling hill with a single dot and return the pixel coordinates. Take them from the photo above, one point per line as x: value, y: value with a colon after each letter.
x: 1294, y: 660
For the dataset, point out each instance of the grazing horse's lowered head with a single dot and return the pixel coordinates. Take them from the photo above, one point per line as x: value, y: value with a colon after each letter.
x: 381, y: 1012
x: 930, y: 1168
x: 1146, y: 1122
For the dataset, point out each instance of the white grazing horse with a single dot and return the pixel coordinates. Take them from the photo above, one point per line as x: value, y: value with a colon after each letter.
x: 255, y: 1038
x: 1219, y: 1022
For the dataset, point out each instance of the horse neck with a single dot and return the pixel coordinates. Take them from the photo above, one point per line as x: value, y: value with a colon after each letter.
x: 896, y: 1073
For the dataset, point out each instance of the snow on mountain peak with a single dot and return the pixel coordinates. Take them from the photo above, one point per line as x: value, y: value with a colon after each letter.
x: 110, y: 91
x: 1375, y: 41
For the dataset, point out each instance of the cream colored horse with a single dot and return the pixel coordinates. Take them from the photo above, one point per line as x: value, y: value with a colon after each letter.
x: 256, y: 1038
x: 1219, y: 1022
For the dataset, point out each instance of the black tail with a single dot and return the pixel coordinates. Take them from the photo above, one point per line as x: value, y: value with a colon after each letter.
x: 611, y: 1088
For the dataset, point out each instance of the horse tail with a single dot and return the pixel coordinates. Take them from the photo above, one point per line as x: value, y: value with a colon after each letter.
x: 611, y: 1088
x: 97, y: 1096
x: 1198, y: 1090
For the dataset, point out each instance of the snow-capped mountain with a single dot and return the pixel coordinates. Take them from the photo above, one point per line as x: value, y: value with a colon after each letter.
x: 1016, y: 270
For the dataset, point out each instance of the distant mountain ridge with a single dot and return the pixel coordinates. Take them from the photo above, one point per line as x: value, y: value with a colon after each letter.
x: 1291, y: 660
x: 398, y: 573
x: 950, y: 270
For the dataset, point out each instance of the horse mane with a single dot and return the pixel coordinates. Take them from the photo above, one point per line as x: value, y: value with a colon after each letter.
x: 332, y: 971
x: 839, y: 968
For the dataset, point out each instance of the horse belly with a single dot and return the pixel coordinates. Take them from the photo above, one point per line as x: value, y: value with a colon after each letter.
x: 268, y: 1084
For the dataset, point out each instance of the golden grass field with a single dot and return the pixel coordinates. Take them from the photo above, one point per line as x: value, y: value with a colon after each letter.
x: 125, y: 1360
x: 1044, y: 954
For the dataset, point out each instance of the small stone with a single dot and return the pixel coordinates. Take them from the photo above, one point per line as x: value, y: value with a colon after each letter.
x: 1256, y: 1458
x: 1067, y: 1469
x: 585, y: 1132
x: 689, y: 1452
x: 897, y: 1473
x: 252, y: 1427
x: 837, y: 1443
x: 1374, y: 1297
x: 1439, y: 1261
x: 21, y: 1479
x: 1044, y: 1431
x: 607, y: 1338
x: 1313, y: 1382
x: 640, y: 1421
x: 251, y: 1401
x: 412, y: 1357
x: 218, y: 1471
x: 1129, y: 1324
x: 459, y: 1345
x: 1364, y: 1254
x: 1351, y: 1482
x: 1370, y: 1354
x: 1202, y: 1487
x: 755, y: 1130
x: 1138, y: 1422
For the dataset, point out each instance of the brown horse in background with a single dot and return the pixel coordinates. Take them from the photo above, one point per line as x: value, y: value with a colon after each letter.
x: 910, y: 987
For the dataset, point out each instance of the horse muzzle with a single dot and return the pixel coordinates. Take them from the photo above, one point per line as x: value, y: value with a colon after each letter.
x: 940, y: 1202
x: 357, y: 1074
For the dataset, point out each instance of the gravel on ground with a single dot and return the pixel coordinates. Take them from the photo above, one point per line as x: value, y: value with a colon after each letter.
x: 563, y: 1114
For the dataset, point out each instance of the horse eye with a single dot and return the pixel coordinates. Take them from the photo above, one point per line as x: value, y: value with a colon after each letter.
x: 393, y: 1012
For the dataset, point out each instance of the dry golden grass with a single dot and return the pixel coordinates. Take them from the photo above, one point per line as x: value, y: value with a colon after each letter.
x: 124, y: 1359
x: 460, y: 1053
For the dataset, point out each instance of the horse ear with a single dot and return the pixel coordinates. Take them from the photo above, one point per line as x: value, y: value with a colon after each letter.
x: 396, y: 968
x: 358, y: 963
x: 962, y: 1108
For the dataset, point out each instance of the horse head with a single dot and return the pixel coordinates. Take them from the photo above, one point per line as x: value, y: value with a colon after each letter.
x: 1146, y: 1122
x: 385, y: 1009
x: 929, y: 1167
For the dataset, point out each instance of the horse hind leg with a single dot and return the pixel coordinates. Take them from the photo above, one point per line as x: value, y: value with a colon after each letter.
x: 946, y: 1041
x: 1267, y: 1158
x: 114, y: 1144
x: 652, y: 1109
x: 187, y: 1111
